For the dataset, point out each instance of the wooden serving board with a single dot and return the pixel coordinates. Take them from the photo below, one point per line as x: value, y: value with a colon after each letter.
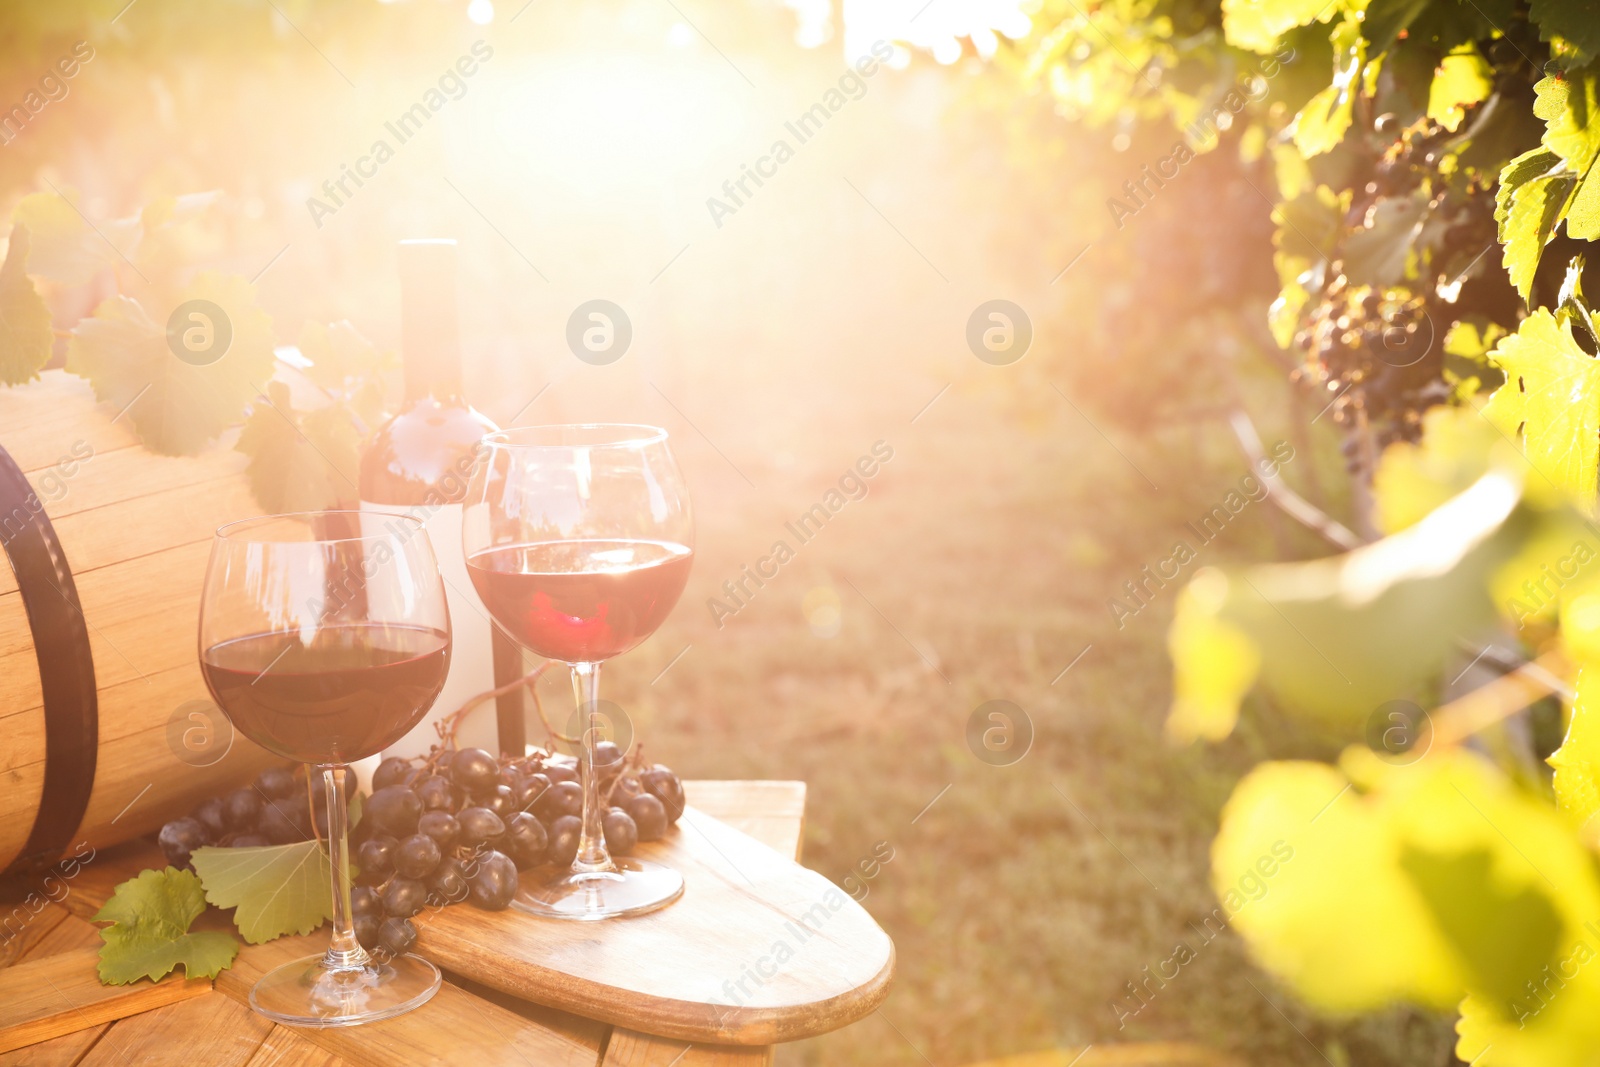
x: 758, y: 949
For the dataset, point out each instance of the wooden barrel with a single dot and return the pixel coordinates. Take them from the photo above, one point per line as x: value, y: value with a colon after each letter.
x: 106, y: 728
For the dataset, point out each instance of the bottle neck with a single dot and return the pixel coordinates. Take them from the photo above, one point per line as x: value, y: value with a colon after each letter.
x: 430, y: 330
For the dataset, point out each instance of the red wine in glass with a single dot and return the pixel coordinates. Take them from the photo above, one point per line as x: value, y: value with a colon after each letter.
x: 581, y: 601
x: 325, y: 636
x: 579, y: 541
x: 341, y: 696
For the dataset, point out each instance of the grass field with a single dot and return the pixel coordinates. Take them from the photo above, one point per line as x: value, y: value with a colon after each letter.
x: 1021, y: 898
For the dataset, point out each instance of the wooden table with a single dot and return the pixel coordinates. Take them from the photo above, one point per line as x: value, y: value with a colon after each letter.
x: 55, y: 1013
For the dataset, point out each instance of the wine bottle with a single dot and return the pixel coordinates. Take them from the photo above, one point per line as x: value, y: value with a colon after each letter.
x: 419, y: 463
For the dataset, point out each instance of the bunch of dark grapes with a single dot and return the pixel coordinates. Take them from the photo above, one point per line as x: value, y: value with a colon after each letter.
x: 1377, y: 353
x: 455, y: 826
x: 273, y: 811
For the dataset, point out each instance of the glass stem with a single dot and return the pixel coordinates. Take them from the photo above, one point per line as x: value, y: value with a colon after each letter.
x: 345, y: 953
x: 592, y: 855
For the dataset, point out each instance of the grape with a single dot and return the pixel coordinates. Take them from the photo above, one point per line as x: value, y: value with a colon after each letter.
x: 479, y: 826
x: 392, y: 771
x: 249, y: 841
x: 394, y: 810
x: 502, y: 801
x: 241, y: 808
x: 447, y: 884
x: 276, y: 783
x: 437, y: 794
x: 525, y: 840
x: 563, y: 847
x: 404, y: 897
x: 527, y: 790
x: 364, y: 900
x: 494, y: 883
x: 649, y: 816
x: 627, y: 787
x: 278, y: 823
x: 441, y: 826
x: 179, y: 838
x: 474, y: 770
x: 366, y: 927
x: 622, y: 834
x: 416, y: 857
x: 561, y: 772
x: 607, y: 759
x: 661, y: 783
x: 396, y: 936
x: 562, y: 798
x: 209, y: 815
x: 375, y: 857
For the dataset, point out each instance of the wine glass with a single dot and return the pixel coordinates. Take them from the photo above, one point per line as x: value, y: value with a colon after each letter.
x: 579, y: 541
x: 324, y: 636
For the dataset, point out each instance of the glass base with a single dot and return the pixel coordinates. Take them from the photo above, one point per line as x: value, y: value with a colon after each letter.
x: 307, y: 993
x: 635, y: 887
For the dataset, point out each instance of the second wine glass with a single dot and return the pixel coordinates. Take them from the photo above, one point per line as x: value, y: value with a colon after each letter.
x: 579, y: 541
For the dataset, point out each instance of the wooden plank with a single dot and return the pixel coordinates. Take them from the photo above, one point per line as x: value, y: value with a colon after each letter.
x: 774, y: 814
x: 630, y: 1049
x: 64, y: 1051
x: 61, y: 994
x: 69, y: 935
x: 453, y: 1027
x: 286, y: 1048
x: 758, y: 950
x: 209, y: 1030
x: 25, y: 926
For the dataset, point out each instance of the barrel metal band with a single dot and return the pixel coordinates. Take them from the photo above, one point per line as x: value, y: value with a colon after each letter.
x: 66, y: 671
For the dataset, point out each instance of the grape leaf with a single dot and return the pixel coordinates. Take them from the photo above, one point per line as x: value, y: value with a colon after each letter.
x: 1577, y: 761
x: 1336, y: 638
x: 1576, y: 21
x: 1256, y: 25
x: 1551, y: 402
x: 66, y: 248
x: 25, y: 336
x: 1457, y: 448
x: 1462, y: 79
x: 300, y: 461
x: 275, y: 890
x: 1534, y: 189
x: 1323, y: 122
x: 1421, y: 883
x: 1380, y: 253
x: 176, y: 406
x: 1570, y: 108
x: 149, y: 936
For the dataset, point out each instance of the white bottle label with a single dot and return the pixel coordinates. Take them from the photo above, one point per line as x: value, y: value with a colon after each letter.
x: 471, y: 647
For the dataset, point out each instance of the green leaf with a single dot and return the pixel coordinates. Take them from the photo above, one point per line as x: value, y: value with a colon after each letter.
x: 1380, y: 253
x: 150, y: 934
x: 338, y: 353
x: 300, y: 460
x: 1571, y: 302
x: 177, y: 406
x: 25, y: 336
x: 1323, y: 122
x: 1570, y: 108
x: 1534, y: 190
x: 1575, y: 21
x: 1551, y: 403
x: 1457, y: 448
x: 66, y: 248
x: 1336, y: 638
x: 277, y: 890
x: 1256, y: 25
x: 1423, y: 883
x: 1462, y: 79
x: 1577, y: 761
